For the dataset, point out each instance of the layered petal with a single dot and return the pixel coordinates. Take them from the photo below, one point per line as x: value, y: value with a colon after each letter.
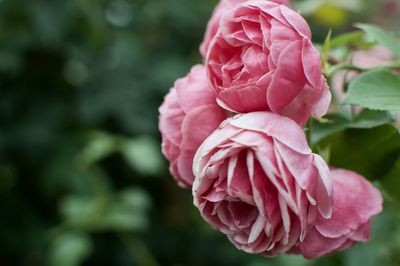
x: 258, y: 182
x: 355, y: 202
x: 213, y: 24
x: 261, y: 58
x: 188, y: 115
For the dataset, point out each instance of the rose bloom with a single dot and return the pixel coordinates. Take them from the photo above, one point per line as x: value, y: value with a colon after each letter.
x: 258, y: 182
x: 355, y: 201
x: 262, y: 59
x: 213, y: 23
x: 188, y: 116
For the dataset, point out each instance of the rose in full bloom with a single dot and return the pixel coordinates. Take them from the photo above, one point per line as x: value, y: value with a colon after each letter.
x: 258, y: 182
x: 262, y: 59
x: 355, y: 201
x: 213, y: 23
x: 188, y: 116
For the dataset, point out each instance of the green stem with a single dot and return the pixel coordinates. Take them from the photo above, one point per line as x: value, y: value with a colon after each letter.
x: 346, y: 66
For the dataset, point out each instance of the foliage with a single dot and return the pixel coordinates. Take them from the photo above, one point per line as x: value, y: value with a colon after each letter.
x: 82, y: 181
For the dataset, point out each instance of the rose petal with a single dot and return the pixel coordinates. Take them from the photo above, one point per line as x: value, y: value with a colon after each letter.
x: 366, y: 201
x: 288, y: 79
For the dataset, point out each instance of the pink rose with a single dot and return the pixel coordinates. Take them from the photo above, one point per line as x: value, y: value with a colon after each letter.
x: 213, y: 23
x: 188, y: 116
x: 258, y: 182
x: 262, y: 59
x: 355, y: 201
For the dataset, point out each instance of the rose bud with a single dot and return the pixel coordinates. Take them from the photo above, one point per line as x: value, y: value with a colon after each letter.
x: 355, y: 201
x: 258, y: 182
x: 188, y: 116
x: 262, y: 59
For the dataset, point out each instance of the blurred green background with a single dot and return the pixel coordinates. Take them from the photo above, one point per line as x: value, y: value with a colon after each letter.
x: 82, y: 179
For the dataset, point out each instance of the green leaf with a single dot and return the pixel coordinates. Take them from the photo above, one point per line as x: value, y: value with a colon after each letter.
x: 347, y: 38
x: 378, y: 89
x: 135, y: 198
x: 326, y: 49
x: 120, y: 218
x: 370, y: 152
x: 125, y: 211
x: 335, y: 124
x: 325, y: 153
x: 381, y: 37
x: 307, y: 7
x: 100, y: 146
x: 391, y: 182
x: 143, y: 155
x: 83, y: 212
x: 70, y: 249
x: 128, y: 212
x: 327, y: 45
x: 370, y: 119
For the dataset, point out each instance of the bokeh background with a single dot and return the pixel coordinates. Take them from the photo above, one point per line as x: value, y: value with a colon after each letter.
x: 82, y: 179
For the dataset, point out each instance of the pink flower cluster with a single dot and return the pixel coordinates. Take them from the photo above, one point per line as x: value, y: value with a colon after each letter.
x: 231, y: 131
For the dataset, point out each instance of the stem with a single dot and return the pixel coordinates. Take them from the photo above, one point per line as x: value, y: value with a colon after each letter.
x: 347, y: 66
x: 343, y: 66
